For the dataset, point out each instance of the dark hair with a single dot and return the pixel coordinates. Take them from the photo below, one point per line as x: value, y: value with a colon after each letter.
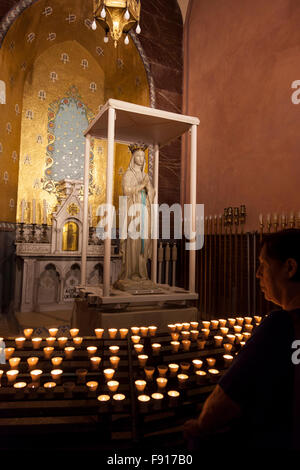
x: 283, y: 245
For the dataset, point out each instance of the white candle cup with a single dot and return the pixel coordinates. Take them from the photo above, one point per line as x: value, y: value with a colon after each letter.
x: 218, y: 341
x: 140, y: 385
x: 142, y: 358
x: 237, y: 328
x: 194, y: 325
x: 49, y: 387
x: 114, y: 361
x: 91, y: 350
x: 138, y: 348
x: 197, y: 363
x: 161, y: 383
x: 69, y: 350
x: 173, y: 396
x: 62, y: 341
x: 14, y: 362
x: 201, y: 344
x: 56, y: 361
x: 53, y: 331
x: 206, y: 324
x: 35, y: 375
x: 135, y: 330
x: 92, y: 386
x: 194, y: 335
x: 210, y: 361
x: 32, y: 362
x: 113, y: 385
x: 201, y: 377
x: 143, y: 403
x: 185, y: 334
x: 144, y: 331
x: 173, y: 369
x: 171, y: 327
x: 182, y: 380
x: 205, y: 332
x: 108, y: 374
x: 28, y: 332
x: 175, y: 346
x: 152, y: 330
x: 248, y: 320
x: 114, y: 350
x: 103, y: 401
x: 224, y: 330
x: 230, y: 339
x: 186, y: 343
x: 12, y: 376
x: 157, y: 400
x: 242, y: 343
x: 36, y: 343
x: 227, y: 360
x: 231, y: 321
x: 99, y: 332
x: 214, y: 324
x: 248, y: 328
x: 19, y: 389
x: 175, y: 336
x: 222, y: 323
x: 186, y: 326
x: 162, y: 370
x: 238, y: 337
x: 95, y: 362
x: 81, y: 375
x: 185, y: 366
x: 257, y: 319
x: 48, y: 351
x: 112, y: 333
x: 179, y: 326
x: 149, y: 372
x: 56, y: 375
x: 123, y: 333
x: 246, y: 335
x: 240, y: 321
x: 135, y: 339
x: 156, y: 348
x: 50, y: 340
x: 118, y: 401
x: 228, y: 347
x: 74, y: 332
x: 77, y: 340
x: 214, y: 375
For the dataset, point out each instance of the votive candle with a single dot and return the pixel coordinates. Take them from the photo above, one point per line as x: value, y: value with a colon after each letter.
x: 28, y: 332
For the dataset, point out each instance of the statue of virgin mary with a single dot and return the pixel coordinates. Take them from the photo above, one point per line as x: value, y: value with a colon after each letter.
x: 136, y: 248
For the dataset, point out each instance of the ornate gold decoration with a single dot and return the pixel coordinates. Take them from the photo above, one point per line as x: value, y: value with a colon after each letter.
x: 73, y: 209
x: 134, y: 147
x: 117, y: 17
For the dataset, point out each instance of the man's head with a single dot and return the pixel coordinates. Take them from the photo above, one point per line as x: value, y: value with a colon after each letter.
x: 279, y: 268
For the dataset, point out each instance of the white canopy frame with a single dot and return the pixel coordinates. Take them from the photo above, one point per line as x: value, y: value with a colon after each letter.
x: 127, y: 123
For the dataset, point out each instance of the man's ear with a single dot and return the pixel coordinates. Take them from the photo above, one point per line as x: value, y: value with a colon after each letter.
x: 292, y: 267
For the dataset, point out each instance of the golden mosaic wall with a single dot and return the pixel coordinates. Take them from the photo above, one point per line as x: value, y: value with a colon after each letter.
x: 58, y: 38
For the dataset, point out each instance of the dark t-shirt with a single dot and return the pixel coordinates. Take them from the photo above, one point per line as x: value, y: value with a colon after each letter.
x: 261, y: 380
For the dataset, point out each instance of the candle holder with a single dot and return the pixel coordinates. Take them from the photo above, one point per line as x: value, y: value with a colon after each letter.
x: 77, y: 340
x: 231, y: 321
x: 185, y: 366
x: 36, y: 343
x: 14, y: 362
x: 237, y: 328
x: 173, y: 396
x: 194, y: 335
x: 186, y: 343
x: 172, y: 328
x: 197, y: 363
x: 224, y: 330
x: 238, y: 337
x: 95, y: 362
x: 257, y: 319
x: 230, y: 339
x: 152, y: 330
x: 144, y: 331
x: 32, y: 362
x: 213, y: 375
x: 56, y: 361
x: 104, y: 401
x: 185, y: 334
x: 246, y: 336
x: 135, y: 339
x: 8, y: 353
x: 62, y: 341
x: 112, y: 333
x: 201, y: 377
x: 142, y: 358
x: 248, y: 320
x: 186, y: 326
x: 143, y: 403
x: 91, y: 350
x: 149, y: 372
x: 135, y: 330
x: 156, y: 348
x: 140, y: 385
x: 109, y: 373
x: 74, y: 332
x: 118, y: 401
x: 201, y: 344
x: 240, y: 321
x: 32, y: 237
x: 214, y: 324
x: 222, y: 323
x: 92, y: 387
x: 113, y: 385
x: 44, y: 238
x: 210, y: 361
x: 12, y: 376
x: 173, y: 369
x: 68, y: 389
x: 138, y: 348
x: 248, y: 328
x: 20, y: 389
x: 35, y: 375
x: 21, y: 238
x: 28, y: 332
x: 206, y: 324
x: 69, y: 350
x: 113, y: 350
x: 161, y: 383
x: 157, y: 400
x: 162, y: 370
x: 194, y: 325
x: 175, y: 336
x: 123, y: 333
x: 175, y: 346
x: 227, y: 360
x: 49, y: 388
x: 48, y: 351
x: 50, y: 340
x: 114, y: 360
x: 205, y: 332
x: 56, y: 375
x: 182, y: 380
x: 99, y: 332
x: 228, y: 347
x: 218, y: 341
